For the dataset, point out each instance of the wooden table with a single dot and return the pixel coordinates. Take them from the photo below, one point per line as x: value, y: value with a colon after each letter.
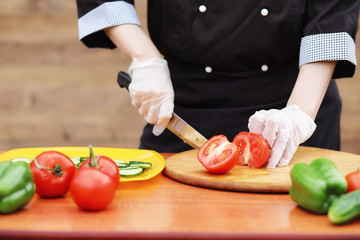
x: 161, y: 208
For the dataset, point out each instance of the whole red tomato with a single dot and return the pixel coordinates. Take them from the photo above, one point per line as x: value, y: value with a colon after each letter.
x: 218, y: 155
x: 95, y: 183
x: 92, y: 189
x: 53, y: 172
x: 353, y: 181
x: 106, y: 165
x: 254, y: 150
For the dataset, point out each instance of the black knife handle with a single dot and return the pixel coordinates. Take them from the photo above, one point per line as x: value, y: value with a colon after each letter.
x: 124, y: 80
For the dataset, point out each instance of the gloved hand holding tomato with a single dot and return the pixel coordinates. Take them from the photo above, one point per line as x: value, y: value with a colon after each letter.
x: 94, y: 185
x: 284, y: 130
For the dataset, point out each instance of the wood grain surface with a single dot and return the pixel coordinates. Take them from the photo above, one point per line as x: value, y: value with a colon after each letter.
x: 161, y: 208
x: 184, y: 167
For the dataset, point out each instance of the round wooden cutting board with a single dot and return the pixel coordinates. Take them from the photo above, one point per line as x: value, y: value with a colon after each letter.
x: 185, y: 167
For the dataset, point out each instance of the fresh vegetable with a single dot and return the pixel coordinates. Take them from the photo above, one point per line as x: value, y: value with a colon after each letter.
x: 121, y: 164
x: 136, y: 167
x: 143, y: 165
x: 131, y: 171
x: 345, y: 208
x: 353, y: 180
x: 76, y: 161
x: 218, y: 155
x: 316, y: 185
x: 92, y: 189
x: 94, y: 185
x: 254, y: 150
x: 16, y: 186
x: 105, y: 164
x: 53, y: 172
x: 133, y: 168
x: 27, y: 160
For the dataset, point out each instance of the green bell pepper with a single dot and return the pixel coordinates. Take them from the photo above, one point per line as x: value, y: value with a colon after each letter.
x: 16, y: 186
x: 316, y: 185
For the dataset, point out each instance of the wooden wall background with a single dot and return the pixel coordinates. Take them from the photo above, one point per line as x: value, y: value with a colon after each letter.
x: 56, y: 92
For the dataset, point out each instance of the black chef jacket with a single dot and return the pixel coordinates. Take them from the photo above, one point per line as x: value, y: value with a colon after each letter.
x: 234, y: 59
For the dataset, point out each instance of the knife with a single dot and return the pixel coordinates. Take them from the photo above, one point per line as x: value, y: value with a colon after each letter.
x: 176, y: 124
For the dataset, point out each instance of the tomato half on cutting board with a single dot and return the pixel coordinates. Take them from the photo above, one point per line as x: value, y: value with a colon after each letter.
x: 254, y: 149
x: 218, y: 155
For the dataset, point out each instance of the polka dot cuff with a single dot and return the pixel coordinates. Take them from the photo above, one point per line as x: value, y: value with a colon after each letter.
x: 107, y: 15
x: 327, y: 47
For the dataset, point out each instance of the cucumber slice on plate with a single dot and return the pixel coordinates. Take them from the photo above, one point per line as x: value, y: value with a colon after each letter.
x: 27, y: 160
x: 130, y: 171
x: 82, y: 159
x: 121, y: 164
x: 76, y: 160
x: 119, y: 161
x: 140, y: 164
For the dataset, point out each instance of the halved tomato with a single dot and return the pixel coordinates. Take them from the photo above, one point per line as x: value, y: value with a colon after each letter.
x: 218, y: 155
x: 253, y: 149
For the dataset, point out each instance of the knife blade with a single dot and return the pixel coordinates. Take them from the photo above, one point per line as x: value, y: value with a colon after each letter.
x: 176, y: 124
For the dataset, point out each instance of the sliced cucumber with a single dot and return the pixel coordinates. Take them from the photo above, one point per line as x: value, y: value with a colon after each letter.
x: 140, y: 164
x: 28, y: 160
x: 83, y: 159
x: 130, y: 171
x: 129, y: 168
x: 118, y: 161
x: 76, y: 160
x: 121, y: 164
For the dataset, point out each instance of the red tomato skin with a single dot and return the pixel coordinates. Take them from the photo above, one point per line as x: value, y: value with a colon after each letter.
x: 222, y: 162
x: 92, y: 189
x: 105, y: 164
x: 254, y: 149
x: 353, y: 180
x: 47, y: 184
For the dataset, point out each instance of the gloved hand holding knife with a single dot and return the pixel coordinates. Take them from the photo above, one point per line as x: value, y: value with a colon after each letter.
x: 151, y: 92
x: 151, y: 89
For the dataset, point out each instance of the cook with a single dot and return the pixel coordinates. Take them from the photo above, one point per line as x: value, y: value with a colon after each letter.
x: 228, y: 66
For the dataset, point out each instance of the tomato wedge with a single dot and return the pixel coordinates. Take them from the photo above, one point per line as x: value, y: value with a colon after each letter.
x: 218, y: 155
x: 253, y: 149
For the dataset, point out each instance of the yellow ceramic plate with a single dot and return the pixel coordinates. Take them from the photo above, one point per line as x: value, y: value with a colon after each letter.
x: 158, y: 162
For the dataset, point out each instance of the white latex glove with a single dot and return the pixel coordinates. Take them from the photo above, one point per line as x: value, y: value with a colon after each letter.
x: 151, y: 92
x: 284, y: 130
